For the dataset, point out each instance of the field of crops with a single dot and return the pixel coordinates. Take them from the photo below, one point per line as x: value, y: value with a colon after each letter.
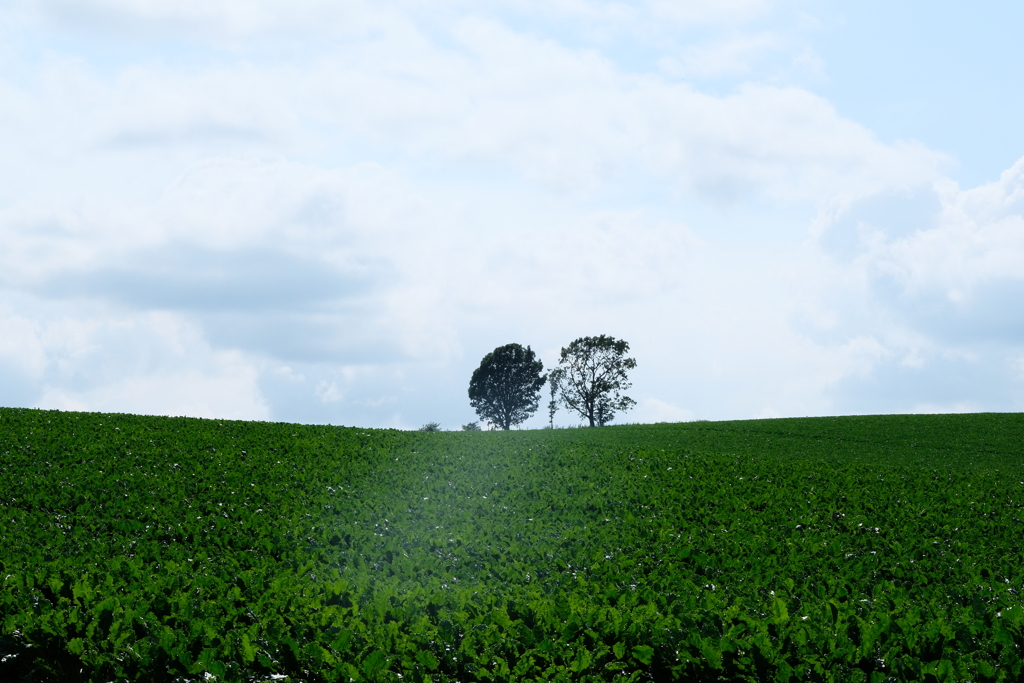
x: 836, y: 549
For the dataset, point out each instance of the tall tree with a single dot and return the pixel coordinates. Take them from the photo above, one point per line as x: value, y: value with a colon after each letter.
x: 553, y: 406
x: 505, y: 389
x: 591, y: 373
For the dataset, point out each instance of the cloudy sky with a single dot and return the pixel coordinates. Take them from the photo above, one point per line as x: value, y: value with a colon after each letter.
x: 328, y: 211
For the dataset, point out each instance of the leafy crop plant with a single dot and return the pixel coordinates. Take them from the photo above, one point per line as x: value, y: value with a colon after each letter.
x: 832, y: 549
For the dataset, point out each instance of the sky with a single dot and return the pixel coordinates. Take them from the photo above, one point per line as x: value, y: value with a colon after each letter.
x: 328, y: 212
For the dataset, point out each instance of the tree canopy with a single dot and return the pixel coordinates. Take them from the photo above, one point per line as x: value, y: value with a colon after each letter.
x: 505, y: 389
x: 591, y: 373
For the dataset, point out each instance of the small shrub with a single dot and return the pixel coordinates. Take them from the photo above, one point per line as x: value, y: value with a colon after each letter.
x: 431, y: 427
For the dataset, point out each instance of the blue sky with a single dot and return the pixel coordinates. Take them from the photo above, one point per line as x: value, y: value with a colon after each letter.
x: 329, y: 212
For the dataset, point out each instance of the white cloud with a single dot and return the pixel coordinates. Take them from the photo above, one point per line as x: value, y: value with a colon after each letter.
x: 232, y: 392
x: 701, y: 11
x: 958, y: 407
x: 377, y: 207
x: 91, y: 357
x: 572, y: 118
x: 1017, y: 367
x: 328, y: 392
x: 213, y: 19
x: 652, y: 410
x: 566, y: 117
x: 736, y: 55
x: 953, y: 271
x: 249, y: 17
x: 21, y: 349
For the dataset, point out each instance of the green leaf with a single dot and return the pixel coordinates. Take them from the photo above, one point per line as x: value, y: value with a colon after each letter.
x: 374, y: 663
x: 248, y: 651
x: 582, y: 660
x: 342, y: 641
x: 643, y: 654
x: 711, y: 653
x: 619, y: 649
x: 779, y: 612
x: 986, y: 669
x: 217, y: 668
x: 427, y: 659
x: 1013, y: 615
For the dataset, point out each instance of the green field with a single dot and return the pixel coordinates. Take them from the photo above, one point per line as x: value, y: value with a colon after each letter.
x: 837, y: 549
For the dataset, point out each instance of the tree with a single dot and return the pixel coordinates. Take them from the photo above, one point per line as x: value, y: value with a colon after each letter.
x: 505, y: 389
x: 590, y: 374
x: 553, y: 406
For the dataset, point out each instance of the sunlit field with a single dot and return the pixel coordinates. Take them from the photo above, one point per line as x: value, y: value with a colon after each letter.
x: 842, y: 549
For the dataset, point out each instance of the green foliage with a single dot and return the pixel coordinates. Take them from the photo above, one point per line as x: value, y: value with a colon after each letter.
x: 431, y: 427
x: 845, y: 549
x: 590, y: 374
x: 505, y: 389
x: 471, y: 427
